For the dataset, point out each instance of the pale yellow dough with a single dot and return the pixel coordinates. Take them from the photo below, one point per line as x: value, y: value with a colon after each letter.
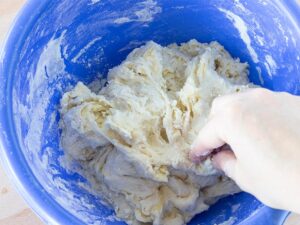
x: 133, y: 137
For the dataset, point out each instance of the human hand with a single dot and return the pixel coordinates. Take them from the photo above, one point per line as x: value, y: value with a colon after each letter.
x: 262, y: 129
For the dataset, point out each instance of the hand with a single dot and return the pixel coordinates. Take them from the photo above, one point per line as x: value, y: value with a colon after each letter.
x: 262, y: 129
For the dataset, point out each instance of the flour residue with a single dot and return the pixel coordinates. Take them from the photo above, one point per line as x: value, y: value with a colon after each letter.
x: 239, y: 5
x: 230, y: 221
x: 261, y: 80
x: 241, y: 26
x: 235, y: 207
x: 150, y: 9
x: 95, y: 1
x: 270, y: 64
x: 142, y: 12
x: 291, y: 19
x: 122, y: 20
x: 260, y: 40
x: 178, y: 7
x: 48, y: 69
x: 131, y: 45
x: 85, y: 48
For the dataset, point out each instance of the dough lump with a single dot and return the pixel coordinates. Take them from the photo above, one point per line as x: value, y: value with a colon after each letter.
x: 132, y: 138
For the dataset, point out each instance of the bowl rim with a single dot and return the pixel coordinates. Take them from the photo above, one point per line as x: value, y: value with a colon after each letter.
x: 11, y: 158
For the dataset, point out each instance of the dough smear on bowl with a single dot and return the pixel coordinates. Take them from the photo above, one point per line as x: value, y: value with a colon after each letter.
x: 132, y: 138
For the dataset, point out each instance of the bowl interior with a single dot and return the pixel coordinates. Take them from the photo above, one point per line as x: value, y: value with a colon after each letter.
x: 63, y: 42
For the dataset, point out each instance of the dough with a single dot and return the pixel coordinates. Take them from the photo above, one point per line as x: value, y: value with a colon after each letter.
x: 132, y: 138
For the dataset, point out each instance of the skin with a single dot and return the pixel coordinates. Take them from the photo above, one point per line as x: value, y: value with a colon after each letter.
x: 258, y: 132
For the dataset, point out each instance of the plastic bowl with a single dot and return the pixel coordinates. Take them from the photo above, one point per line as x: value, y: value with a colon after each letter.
x: 55, y: 43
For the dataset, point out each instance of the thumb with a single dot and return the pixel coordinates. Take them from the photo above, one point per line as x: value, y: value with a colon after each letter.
x: 225, y: 160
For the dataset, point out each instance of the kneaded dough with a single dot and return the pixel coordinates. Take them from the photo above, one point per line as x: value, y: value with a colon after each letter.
x: 133, y: 136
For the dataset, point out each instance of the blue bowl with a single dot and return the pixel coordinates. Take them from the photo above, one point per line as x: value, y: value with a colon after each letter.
x: 56, y: 43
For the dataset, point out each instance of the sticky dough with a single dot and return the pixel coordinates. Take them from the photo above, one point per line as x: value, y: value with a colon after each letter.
x: 133, y: 136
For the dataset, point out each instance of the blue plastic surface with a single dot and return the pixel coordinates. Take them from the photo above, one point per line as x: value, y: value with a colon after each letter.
x: 265, y: 33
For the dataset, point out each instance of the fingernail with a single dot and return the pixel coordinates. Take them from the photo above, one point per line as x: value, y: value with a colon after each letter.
x: 193, y: 158
x: 198, y: 157
x: 203, y: 153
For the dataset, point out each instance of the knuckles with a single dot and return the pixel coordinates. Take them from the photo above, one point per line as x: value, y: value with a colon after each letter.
x: 260, y: 93
x: 243, y: 107
x: 234, y: 109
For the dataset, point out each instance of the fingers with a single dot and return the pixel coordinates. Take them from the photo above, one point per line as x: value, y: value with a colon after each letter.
x: 220, y: 103
x: 220, y: 126
x: 225, y: 160
x: 208, y: 139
